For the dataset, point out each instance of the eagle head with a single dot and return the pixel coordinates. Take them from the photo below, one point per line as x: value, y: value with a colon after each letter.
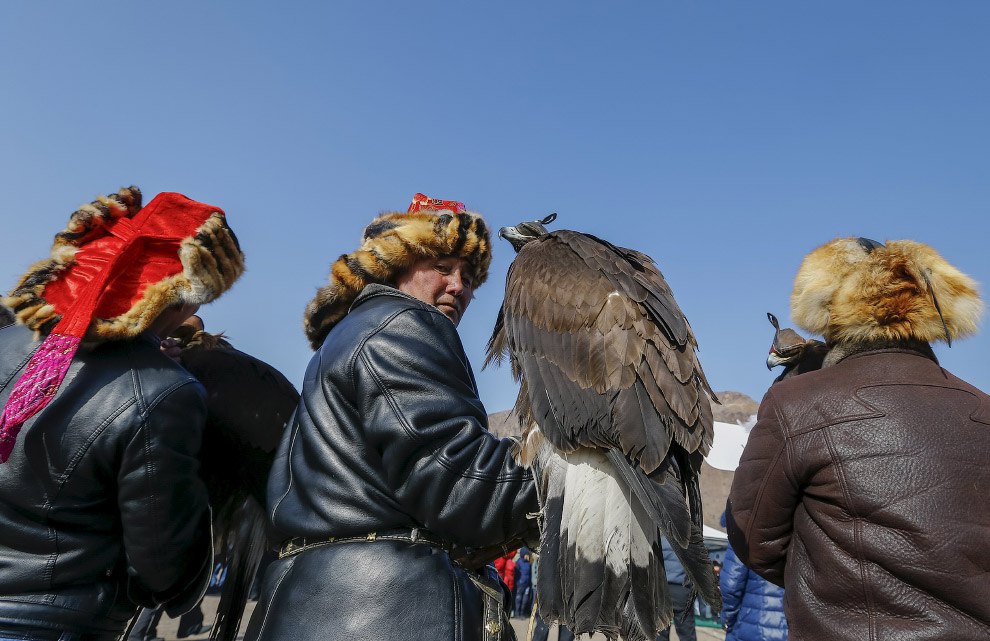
x: 788, y: 346
x: 797, y: 354
x: 522, y: 233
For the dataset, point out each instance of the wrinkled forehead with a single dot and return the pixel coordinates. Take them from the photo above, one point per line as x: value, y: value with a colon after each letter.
x: 427, y: 262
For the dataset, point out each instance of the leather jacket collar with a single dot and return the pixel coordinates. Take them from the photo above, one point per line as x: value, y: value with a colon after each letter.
x: 841, y: 351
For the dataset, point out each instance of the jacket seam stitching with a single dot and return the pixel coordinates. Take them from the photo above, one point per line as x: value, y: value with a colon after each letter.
x: 288, y: 458
x: 74, y: 461
x: 857, y: 532
x: 136, y: 382
x: 763, y: 486
x: 457, y: 608
x: 434, y: 452
x: 387, y: 392
x: 166, y: 392
x: 271, y: 602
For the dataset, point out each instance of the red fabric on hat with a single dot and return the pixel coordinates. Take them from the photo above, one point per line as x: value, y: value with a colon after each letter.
x: 138, y: 251
x: 108, y: 276
x: 421, y: 202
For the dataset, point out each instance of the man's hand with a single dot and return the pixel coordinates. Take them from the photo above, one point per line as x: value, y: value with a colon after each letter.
x: 171, y: 348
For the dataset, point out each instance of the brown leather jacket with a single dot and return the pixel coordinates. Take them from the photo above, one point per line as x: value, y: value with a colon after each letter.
x: 865, y: 491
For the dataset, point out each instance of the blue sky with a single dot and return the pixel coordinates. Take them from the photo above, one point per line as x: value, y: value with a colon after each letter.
x: 725, y: 139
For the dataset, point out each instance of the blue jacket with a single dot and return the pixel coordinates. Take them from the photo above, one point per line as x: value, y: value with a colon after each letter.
x: 523, y: 572
x: 752, y: 607
x: 671, y: 564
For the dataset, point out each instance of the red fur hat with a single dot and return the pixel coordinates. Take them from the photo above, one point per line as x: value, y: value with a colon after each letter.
x: 113, y: 270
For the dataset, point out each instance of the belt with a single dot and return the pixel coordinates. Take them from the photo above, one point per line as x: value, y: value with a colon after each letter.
x: 406, y: 535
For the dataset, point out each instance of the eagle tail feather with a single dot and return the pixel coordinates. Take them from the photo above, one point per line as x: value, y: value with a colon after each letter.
x: 247, y: 545
x: 665, y: 502
x: 551, y: 586
x: 648, y: 607
x: 583, y: 491
x: 610, y: 575
x: 677, y: 514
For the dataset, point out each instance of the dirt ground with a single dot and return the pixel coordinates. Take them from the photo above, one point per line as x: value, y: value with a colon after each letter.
x: 167, y: 627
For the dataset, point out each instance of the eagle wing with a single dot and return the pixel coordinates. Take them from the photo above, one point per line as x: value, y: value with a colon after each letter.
x: 605, y: 355
x: 248, y: 405
x: 611, y: 397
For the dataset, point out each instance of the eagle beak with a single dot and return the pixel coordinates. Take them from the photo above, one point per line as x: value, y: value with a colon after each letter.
x: 773, y: 360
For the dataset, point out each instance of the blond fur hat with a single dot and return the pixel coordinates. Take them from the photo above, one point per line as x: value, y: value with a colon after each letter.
x: 854, y: 290
x: 393, y: 242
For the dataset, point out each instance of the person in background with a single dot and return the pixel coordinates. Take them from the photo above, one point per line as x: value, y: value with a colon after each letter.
x: 752, y: 607
x: 102, y: 508
x: 680, y: 597
x: 505, y: 565
x: 524, y: 584
x: 862, y: 489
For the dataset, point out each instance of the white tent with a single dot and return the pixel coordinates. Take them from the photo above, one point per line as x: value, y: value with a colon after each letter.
x: 712, y: 533
x: 727, y: 446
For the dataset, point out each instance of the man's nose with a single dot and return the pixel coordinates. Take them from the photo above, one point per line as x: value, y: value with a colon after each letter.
x: 455, y: 284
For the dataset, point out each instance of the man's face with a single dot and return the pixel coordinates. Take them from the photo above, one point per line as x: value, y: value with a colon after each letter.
x: 444, y: 283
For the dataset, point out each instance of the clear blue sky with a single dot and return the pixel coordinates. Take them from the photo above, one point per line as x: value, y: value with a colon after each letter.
x: 725, y: 139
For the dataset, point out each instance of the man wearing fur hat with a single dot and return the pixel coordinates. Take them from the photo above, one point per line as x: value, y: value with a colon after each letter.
x: 387, y: 471
x: 102, y: 508
x: 863, y: 487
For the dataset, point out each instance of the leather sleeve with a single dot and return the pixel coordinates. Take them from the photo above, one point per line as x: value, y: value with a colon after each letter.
x: 164, y: 509
x: 763, y: 498
x: 732, y: 583
x: 423, y: 416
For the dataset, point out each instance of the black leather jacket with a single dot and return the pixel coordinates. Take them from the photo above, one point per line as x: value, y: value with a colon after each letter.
x: 101, y: 504
x: 389, y: 434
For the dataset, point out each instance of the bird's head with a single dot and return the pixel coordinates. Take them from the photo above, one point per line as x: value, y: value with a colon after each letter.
x: 788, y: 346
x: 522, y: 233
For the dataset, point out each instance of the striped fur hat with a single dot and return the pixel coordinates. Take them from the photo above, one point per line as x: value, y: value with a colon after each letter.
x: 856, y: 291
x: 393, y: 242
x: 113, y: 270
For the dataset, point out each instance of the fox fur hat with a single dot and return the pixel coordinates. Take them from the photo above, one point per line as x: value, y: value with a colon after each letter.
x: 390, y: 244
x: 184, y: 253
x: 855, y: 290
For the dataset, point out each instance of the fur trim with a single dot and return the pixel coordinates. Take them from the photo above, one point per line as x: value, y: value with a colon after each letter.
x: 211, y: 260
x: 393, y: 242
x: 850, y: 294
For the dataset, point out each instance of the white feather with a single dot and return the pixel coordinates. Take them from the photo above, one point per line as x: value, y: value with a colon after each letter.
x: 606, y: 534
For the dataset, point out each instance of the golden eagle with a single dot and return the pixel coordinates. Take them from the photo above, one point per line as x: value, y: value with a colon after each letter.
x: 795, y: 353
x: 248, y: 404
x: 617, y: 417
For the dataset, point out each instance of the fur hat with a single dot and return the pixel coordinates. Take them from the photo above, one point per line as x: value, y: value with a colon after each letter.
x: 184, y: 253
x: 391, y: 243
x: 854, y: 290
x: 112, y: 271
